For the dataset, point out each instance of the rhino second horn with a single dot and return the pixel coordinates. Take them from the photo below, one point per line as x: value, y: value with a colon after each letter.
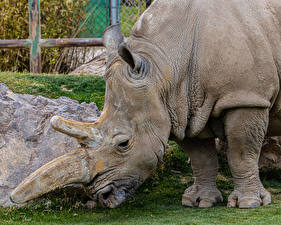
x: 75, y: 129
x: 68, y: 169
x: 112, y: 38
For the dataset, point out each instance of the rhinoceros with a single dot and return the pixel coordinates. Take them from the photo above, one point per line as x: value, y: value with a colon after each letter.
x: 191, y: 71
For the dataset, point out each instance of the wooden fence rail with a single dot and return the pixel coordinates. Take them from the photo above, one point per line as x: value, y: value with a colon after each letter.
x: 35, y: 43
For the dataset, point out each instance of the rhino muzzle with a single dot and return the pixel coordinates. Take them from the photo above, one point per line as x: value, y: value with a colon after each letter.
x: 87, y: 165
x: 68, y: 169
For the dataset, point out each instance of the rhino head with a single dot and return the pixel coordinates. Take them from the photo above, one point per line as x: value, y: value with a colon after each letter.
x: 121, y: 149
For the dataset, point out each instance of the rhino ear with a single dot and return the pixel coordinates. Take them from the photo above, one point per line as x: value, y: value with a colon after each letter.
x: 127, y: 55
x: 139, y: 67
x: 112, y: 38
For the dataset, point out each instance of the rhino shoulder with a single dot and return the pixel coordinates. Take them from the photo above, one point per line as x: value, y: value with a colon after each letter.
x: 213, y: 107
x: 240, y: 99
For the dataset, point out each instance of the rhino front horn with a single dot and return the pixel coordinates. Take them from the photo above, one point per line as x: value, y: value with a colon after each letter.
x: 112, y: 38
x: 68, y: 169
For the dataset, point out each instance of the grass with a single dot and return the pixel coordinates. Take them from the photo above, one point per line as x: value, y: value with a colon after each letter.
x: 154, y: 203
x: 82, y: 88
x: 158, y: 201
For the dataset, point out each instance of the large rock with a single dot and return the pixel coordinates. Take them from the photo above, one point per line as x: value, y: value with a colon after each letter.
x: 27, y: 141
x: 270, y: 154
x: 96, y: 66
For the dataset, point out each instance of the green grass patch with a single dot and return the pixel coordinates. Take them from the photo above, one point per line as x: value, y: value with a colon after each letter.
x: 158, y: 201
x: 82, y: 88
x: 154, y: 203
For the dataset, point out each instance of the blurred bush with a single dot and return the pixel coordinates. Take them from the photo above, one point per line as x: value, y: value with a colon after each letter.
x: 59, y: 19
x: 130, y: 11
x: 14, y: 25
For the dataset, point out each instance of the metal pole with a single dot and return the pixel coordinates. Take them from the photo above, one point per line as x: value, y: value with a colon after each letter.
x: 114, y: 6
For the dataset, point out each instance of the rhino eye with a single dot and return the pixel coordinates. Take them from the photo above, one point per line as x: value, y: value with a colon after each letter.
x: 124, y: 144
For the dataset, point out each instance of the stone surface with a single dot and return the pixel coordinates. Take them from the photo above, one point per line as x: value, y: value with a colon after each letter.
x: 271, y: 153
x: 96, y: 66
x: 27, y: 141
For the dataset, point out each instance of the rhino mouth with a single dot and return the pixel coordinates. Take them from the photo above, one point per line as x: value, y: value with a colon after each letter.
x: 113, y: 195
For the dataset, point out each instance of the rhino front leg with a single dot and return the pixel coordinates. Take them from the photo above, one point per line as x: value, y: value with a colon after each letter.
x: 245, y: 130
x: 203, y: 155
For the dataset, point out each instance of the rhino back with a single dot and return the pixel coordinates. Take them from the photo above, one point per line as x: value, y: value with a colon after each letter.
x: 229, y: 51
x: 239, y: 54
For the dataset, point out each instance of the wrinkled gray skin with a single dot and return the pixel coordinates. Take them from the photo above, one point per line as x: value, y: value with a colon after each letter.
x: 192, y: 70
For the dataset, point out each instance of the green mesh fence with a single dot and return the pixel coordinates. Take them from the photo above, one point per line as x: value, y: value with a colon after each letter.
x: 130, y: 11
x: 98, y: 16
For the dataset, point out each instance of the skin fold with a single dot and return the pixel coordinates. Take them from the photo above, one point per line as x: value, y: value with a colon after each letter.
x: 202, y: 70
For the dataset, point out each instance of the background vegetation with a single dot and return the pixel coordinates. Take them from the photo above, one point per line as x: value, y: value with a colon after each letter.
x: 59, y: 19
x: 158, y: 201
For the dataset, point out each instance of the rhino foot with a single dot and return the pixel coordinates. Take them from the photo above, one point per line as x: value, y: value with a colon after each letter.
x: 248, y: 200
x: 201, y: 196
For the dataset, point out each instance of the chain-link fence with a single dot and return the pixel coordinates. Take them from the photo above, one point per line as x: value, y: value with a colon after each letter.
x: 101, y: 13
x: 130, y: 11
x: 98, y: 14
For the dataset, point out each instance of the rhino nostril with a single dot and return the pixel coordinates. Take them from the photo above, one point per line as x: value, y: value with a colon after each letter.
x: 12, y: 200
x: 106, y: 195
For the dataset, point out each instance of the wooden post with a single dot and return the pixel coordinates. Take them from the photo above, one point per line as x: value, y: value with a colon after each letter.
x: 35, y: 36
x: 52, y: 43
x: 23, y: 43
x: 70, y: 42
